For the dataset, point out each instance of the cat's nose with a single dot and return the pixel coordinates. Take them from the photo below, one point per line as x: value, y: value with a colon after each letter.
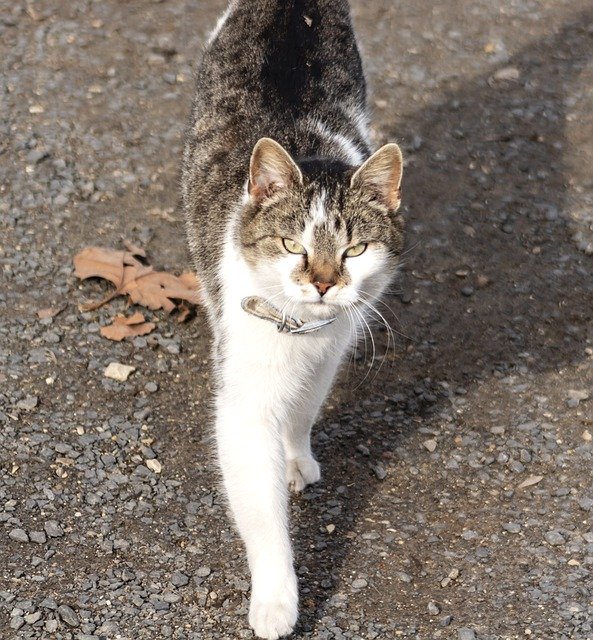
x: 323, y: 287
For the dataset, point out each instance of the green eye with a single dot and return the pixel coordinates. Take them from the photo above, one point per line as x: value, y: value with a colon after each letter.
x: 356, y: 250
x: 293, y: 247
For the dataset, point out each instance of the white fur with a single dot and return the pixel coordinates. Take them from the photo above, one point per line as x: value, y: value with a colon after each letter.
x: 271, y: 388
x: 220, y: 23
x: 349, y: 151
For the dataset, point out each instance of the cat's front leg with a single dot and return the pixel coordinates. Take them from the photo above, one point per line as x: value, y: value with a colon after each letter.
x: 301, y: 467
x: 253, y: 467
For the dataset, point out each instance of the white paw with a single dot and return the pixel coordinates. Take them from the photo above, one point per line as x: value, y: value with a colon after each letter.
x: 272, y: 620
x: 302, y: 471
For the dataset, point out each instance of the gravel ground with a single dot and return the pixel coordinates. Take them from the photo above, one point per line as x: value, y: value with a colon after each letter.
x: 457, y: 494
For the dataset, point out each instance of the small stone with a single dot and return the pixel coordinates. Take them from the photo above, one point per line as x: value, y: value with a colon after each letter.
x: 512, y: 527
x: 38, y: 537
x: 586, y: 435
x: 509, y: 74
x: 430, y: 445
x: 154, y: 465
x: 467, y: 291
x: 32, y: 618
x: 379, y: 470
x: 586, y: 504
x: 466, y: 634
x: 118, y: 371
x: 17, y: 622
x: 20, y: 535
x: 359, y: 583
x: 27, y: 404
x: 203, y: 572
x: 433, y: 608
x: 51, y: 626
x: 179, y: 579
x: 530, y: 481
x: 445, y: 621
x: 469, y: 535
x: 402, y: 576
x: 330, y: 528
x: 53, y: 529
x: 554, y: 538
x: 578, y: 394
x: 68, y: 615
x: 151, y: 387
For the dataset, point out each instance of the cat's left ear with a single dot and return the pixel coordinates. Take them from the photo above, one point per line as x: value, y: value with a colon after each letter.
x: 271, y: 170
x: 381, y: 176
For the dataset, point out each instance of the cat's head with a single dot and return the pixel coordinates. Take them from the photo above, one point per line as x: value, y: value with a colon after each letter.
x: 321, y: 234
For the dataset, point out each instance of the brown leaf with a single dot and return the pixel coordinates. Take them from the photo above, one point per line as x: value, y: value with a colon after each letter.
x: 49, y: 312
x: 133, y: 249
x: 156, y: 289
x: 123, y: 327
x: 144, y: 285
x: 184, y: 313
x: 135, y: 318
x: 95, y: 262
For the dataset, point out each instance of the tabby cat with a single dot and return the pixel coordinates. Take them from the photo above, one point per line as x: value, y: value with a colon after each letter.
x: 294, y: 232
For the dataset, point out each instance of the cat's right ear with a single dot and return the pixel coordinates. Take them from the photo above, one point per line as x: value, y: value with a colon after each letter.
x: 271, y: 170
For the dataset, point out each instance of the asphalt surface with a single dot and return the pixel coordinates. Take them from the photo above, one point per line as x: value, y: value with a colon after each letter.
x: 457, y: 488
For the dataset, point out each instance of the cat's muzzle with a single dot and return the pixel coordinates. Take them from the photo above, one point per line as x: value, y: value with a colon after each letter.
x: 261, y: 308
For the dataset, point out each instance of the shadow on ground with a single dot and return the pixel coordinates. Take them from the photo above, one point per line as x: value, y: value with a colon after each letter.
x: 485, y: 191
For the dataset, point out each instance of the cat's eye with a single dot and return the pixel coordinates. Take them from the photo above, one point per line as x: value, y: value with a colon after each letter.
x: 293, y: 247
x: 356, y: 250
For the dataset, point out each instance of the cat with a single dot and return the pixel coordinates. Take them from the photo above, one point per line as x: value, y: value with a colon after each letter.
x: 294, y: 231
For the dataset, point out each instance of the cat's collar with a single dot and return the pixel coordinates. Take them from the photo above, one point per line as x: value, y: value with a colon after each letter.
x: 261, y: 308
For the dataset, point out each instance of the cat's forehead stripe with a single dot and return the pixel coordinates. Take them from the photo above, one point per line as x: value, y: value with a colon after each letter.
x: 318, y: 208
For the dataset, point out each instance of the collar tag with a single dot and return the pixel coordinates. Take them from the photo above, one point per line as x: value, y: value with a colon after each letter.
x: 263, y: 309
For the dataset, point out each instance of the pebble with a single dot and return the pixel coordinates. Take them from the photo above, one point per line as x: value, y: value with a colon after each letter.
x: 430, y: 444
x: 28, y: 404
x: 554, y: 538
x: 359, y: 583
x: 466, y: 634
x: 118, y: 371
x: 508, y: 74
x: 37, y: 536
x: 32, y: 618
x: 20, y: 535
x: 433, y: 608
x: 379, y: 471
x: 68, y: 615
x: 17, y: 622
x: 512, y: 527
x: 53, y: 529
x: 154, y: 465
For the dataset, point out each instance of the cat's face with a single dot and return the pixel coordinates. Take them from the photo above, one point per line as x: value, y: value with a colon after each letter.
x: 322, y: 236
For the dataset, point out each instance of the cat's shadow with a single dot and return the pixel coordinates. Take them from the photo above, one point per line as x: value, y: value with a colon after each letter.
x: 485, y: 194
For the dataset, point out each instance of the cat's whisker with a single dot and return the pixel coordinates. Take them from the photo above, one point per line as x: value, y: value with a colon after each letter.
x: 372, y: 307
x: 390, y: 335
x: 374, y: 351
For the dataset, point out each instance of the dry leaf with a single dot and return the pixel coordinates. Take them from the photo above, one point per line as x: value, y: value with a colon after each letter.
x: 144, y: 285
x: 123, y: 327
x: 132, y: 248
x: 184, y: 313
x: 49, y: 312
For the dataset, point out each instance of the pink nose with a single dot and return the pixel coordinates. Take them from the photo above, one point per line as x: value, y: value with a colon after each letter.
x: 323, y: 287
